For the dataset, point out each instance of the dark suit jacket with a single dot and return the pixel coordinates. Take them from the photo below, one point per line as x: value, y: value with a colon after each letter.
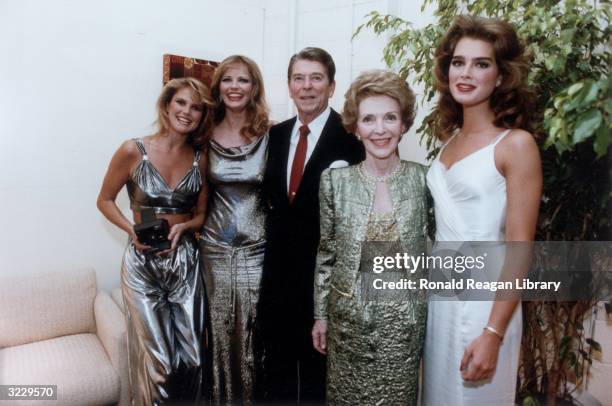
x: 286, y: 297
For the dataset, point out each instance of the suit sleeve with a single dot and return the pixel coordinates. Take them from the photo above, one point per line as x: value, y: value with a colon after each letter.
x: 326, y: 255
x: 268, y: 177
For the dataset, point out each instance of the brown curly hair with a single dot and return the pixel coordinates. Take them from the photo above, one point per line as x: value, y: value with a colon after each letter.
x: 377, y: 82
x: 257, y: 122
x: 512, y: 101
x: 201, y: 95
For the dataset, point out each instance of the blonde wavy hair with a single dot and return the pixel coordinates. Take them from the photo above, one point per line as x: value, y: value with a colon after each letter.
x: 257, y: 122
x: 378, y: 82
x: 200, y: 94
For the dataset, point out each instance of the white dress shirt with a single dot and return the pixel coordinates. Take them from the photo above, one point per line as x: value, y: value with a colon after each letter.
x: 316, y: 128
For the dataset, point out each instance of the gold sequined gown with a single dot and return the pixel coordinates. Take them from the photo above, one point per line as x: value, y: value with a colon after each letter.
x: 232, y: 247
x: 374, y: 342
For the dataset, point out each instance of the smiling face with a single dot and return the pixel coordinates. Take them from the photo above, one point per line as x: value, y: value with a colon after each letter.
x: 473, y: 73
x: 310, y: 89
x: 236, y: 87
x: 379, y: 125
x: 184, y: 113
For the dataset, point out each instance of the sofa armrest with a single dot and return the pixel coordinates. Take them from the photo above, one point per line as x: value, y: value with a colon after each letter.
x: 117, y: 296
x: 111, y: 330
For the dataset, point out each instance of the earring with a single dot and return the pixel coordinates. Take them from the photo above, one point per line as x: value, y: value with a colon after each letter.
x: 358, y: 137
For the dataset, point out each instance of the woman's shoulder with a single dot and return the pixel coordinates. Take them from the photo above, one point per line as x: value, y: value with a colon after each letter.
x: 341, y: 172
x: 335, y: 177
x: 130, y: 148
x: 414, y: 168
x: 519, y: 139
x: 517, y: 142
x: 412, y: 177
x: 412, y: 165
x: 348, y: 173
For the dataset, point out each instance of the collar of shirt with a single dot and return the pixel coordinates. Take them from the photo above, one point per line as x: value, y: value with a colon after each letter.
x: 316, y: 128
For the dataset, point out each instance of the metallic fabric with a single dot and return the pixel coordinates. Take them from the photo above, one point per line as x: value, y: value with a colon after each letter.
x: 232, y: 281
x: 232, y: 246
x: 374, y: 346
x: 148, y: 189
x: 235, y: 213
x: 382, y: 227
x: 165, y: 306
x: 164, y: 296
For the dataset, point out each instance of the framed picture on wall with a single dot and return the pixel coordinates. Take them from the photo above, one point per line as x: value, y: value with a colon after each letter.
x: 176, y: 66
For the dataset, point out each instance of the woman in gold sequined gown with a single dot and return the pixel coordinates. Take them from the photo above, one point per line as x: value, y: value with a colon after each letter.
x: 373, y: 338
x: 232, y: 240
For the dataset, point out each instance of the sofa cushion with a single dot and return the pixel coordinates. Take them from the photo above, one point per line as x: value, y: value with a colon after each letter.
x: 39, y: 307
x: 77, y: 364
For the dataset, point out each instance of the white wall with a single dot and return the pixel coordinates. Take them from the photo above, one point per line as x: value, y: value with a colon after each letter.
x: 79, y: 77
x: 294, y: 24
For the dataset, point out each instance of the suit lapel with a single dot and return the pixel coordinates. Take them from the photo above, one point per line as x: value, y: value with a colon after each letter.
x: 283, y: 154
x: 318, y: 155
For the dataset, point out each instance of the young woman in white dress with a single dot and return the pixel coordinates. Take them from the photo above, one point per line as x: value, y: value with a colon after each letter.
x: 486, y: 183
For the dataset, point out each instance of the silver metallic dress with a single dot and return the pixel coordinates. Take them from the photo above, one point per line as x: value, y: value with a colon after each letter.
x: 374, y: 338
x: 232, y: 246
x: 164, y: 297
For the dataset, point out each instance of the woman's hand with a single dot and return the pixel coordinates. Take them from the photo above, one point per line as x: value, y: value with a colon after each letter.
x: 319, y: 336
x: 174, y: 236
x: 139, y: 246
x: 480, y: 357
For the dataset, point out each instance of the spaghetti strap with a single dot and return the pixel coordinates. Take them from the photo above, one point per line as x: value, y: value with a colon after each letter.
x: 445, y: 144
x: 501, y: 136
x: 140, y: 144
x: 196, y: 158
x: 448, y: 141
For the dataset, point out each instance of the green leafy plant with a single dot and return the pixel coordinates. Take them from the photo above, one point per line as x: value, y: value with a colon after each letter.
x: 567, y: 43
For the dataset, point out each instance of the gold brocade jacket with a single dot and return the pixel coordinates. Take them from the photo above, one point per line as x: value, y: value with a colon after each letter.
x: 346, y: 198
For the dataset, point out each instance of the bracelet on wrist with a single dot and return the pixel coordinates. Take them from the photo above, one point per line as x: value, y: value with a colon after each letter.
x: 495, y: 332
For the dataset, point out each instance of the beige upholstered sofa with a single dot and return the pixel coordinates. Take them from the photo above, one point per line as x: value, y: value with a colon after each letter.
x: 57, y: 329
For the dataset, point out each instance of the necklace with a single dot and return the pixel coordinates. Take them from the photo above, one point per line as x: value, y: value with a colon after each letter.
x: 378, y: 179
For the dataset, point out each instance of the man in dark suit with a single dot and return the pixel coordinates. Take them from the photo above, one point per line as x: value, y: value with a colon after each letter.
x: 299, y: 150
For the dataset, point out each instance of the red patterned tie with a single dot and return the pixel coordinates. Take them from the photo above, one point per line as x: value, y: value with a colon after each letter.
x: 297, y: 168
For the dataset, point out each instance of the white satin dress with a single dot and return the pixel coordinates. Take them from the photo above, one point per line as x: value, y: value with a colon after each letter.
x: 470, y: 205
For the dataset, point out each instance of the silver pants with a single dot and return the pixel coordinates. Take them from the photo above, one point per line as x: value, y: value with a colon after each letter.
x: 164, y: 299
x: 232, y: 281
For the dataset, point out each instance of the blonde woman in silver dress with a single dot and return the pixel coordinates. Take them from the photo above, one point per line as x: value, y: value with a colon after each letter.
x: 232, y: 240
x: 373, y: 344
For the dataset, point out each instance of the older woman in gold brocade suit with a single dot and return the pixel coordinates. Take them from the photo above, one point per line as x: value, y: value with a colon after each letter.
x: 373, y: 338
